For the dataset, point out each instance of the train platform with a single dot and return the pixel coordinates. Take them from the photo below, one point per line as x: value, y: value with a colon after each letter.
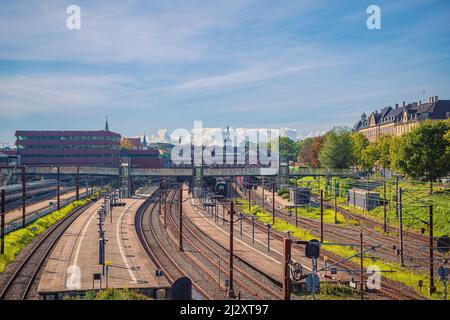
x: 74, y: 262
x: 254, y: 253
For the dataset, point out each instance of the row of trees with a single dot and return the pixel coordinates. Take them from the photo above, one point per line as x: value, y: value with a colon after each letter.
x: 422, y: 153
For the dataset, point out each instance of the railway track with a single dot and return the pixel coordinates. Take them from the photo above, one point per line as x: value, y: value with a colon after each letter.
x: 165, y: 257
x: 247, y: 278
x: 389, y: 288
x: 25, y: 275
x: 414, y: 252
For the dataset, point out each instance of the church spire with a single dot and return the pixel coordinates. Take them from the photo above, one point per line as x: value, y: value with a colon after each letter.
x: 144, y: 142
x: 106, y: 124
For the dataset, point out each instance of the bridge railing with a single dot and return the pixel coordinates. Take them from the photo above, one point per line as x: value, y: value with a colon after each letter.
x: 321, y: 172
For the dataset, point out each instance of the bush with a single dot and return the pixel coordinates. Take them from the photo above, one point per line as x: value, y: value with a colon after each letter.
x: 115, y: 294
x: 282, y: 192
x: 19, y: 239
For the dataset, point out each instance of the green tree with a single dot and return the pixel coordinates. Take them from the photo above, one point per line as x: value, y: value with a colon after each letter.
x: 369, y: 156
x: 425, y: 152
x: 359, y: 144
x: 289, y: 149
x: 337, y: 151
x: 396, y: 142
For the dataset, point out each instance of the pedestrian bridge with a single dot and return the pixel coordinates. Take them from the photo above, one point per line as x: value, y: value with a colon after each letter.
x: 178, y: 172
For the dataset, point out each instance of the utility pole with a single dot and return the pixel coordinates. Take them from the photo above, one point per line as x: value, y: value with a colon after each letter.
x: 249, y: 193
x: 160, y: 195
x: 396, y: 196
x: 321, y: 215
x: 58, y: 200
x: 400, y: 226
x: 354, y: 201
x: 432, y: 288
x: 287, y: 243
x: 181, y: 219
x: 273, y: 202
x: 230, y: 287
x: 361, y: 260
x: 295, y: 202
x: 77, y: 187
x: 263, y: 200
x: 165, y: 199
x: 335, y: 201
x: 24, y: 196
x: 2, y: 247
x: 253, y: 229
x: 384, y: 207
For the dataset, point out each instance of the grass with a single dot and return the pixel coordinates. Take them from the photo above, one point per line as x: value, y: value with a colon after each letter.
x: 115, y: 294
x: 17, y: 240
x: 415, y: 201
x: 395, y: 271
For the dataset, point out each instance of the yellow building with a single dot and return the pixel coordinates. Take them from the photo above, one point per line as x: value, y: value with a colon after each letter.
x: 401, y: 119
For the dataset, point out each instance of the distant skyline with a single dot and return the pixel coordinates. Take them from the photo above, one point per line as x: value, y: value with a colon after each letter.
x: 305, y: 65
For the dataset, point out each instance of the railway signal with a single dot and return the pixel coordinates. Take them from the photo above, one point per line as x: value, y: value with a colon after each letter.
x: 312, y: 249
x: 443, y: 244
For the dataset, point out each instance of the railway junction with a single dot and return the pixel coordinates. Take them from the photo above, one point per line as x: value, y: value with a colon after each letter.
x: 182, y: 228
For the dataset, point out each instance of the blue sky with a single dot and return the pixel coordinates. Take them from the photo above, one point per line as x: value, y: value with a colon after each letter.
x: 308, y: 65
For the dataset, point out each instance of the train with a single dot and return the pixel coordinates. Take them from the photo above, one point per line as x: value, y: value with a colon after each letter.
x: 14, y: 192
x: 221, y: 187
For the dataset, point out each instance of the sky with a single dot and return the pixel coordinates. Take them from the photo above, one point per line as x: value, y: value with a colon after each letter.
x: 307, y: 65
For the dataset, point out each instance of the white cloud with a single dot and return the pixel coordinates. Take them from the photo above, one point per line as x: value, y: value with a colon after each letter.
x: 38, y: 94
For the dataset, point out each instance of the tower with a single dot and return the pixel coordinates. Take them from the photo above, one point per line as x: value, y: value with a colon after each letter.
x: 106, y: 124
x: 144, y: 142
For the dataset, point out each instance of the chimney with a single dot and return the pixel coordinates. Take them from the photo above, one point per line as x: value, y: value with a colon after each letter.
x: 436, y: 98
x: 396, y: 106
x: 420, y: 102
x: 404, y: 104
x: 430, y: 99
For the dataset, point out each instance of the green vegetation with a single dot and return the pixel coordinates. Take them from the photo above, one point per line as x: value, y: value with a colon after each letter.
x: 416, y: 201
x: 17, y: 240
x: 425, y: 152
x: 284, y: 193
x: 289, y: 148
x: 337, y: 151
x: 330, y: 291
x: 398, y: 273
x: 115, y: 294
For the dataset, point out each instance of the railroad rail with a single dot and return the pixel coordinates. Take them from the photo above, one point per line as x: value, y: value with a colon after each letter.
x: 19, y: 284
x: 247, y: 277
x: 413, y: 251
x: 155, y: 249
x: 390, y: 289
